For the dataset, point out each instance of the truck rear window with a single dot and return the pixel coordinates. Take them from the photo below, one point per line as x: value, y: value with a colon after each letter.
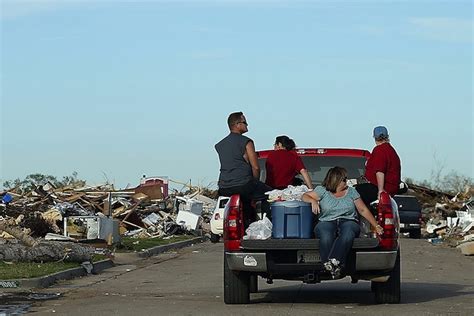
x: 318, y: 166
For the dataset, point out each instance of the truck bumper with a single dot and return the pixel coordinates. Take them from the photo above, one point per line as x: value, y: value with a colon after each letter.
x: 365, y: 261
x: 241, y: 261
x: 375, y: 260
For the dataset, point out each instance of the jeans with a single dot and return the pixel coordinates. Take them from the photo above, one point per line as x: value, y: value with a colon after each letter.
x: 335, y: 238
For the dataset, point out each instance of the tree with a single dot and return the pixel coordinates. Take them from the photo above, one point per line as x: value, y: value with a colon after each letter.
x: 37, y: 179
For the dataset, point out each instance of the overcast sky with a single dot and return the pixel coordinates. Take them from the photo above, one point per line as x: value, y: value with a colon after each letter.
x: 118, y: 89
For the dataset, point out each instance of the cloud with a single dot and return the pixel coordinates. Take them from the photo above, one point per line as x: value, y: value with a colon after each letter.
x: 444, y: 29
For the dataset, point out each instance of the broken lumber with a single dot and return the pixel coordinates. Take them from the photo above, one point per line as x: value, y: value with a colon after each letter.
x: 10, y: 226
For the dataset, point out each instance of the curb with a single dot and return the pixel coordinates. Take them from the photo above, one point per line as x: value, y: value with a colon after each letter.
x: 99, y: 266
x: 47, y: 280
x: 177, y: 245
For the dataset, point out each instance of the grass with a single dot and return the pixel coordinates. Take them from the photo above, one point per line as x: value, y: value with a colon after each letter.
x: 24, y: 270
x: 138, y: 244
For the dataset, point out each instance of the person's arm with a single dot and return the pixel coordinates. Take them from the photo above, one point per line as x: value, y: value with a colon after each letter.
x: 313, y: 198
x: 364, y: 211
x: 306, y: 178
x: 380, y: 182
x: 252, y: 157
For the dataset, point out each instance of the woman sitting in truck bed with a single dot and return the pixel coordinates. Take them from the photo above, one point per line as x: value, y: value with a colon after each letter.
x: 283, y: 164
x: 336, y: 204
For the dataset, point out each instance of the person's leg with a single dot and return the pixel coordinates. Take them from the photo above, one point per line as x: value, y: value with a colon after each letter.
x: 258, y: 194
x: 259, y: 189
x: 326, y: 233
x: 245, y: 199
x: 368, y: 192
x: 347, y: 230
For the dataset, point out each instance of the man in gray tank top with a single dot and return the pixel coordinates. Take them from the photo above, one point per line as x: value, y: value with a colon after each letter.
x: 240, y: 172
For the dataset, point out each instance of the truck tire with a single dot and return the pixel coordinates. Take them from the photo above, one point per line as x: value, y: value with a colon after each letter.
x: 415, y: 234
x: 389, y: 292
x: 215, y: 238
x: 253, y: 285
x: 236, y: 285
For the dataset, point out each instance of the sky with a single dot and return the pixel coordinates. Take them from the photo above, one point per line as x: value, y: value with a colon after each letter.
x: 114, y: 90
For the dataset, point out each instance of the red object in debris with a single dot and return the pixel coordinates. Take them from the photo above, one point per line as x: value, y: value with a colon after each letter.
x: 162, y: 181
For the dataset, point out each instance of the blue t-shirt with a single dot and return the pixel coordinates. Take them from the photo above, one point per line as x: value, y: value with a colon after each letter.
x: 333, y: 207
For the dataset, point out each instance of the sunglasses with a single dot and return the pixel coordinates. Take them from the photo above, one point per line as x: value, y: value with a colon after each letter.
x: 244, y: 122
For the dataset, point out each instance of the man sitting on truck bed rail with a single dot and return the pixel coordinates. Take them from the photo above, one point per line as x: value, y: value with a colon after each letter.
x: 239, y: 172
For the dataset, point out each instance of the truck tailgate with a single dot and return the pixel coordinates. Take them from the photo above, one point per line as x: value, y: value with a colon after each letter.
x: 301, y: 244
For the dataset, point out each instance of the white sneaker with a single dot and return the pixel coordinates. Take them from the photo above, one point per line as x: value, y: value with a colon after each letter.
x: 334, y: 269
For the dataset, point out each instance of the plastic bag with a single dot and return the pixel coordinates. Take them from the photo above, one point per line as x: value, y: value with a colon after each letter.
x: 261, y: 229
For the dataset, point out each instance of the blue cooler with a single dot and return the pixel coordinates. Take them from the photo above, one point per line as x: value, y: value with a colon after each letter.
x: 291, y: 219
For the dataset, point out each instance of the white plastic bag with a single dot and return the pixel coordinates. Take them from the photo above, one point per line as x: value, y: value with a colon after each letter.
x: 261, y: 229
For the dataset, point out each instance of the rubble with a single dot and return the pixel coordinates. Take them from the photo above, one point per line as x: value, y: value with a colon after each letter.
x: 101, y: 213
x: 150, y: 211
x: 447, y: 218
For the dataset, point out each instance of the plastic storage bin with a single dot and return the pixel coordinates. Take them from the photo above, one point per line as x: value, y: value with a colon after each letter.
x: 292, y: 219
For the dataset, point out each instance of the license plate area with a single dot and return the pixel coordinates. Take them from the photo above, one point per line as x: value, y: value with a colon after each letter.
x: 308, y: 256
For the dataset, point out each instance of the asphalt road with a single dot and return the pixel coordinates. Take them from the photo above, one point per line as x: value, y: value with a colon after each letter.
x: 436, y: 280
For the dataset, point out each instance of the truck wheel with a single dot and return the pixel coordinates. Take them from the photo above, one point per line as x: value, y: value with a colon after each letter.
x: 415, y: 234
x: 253, y: 285
x: 389, y: 292
x: 236, y: 285
x: 214, y: 238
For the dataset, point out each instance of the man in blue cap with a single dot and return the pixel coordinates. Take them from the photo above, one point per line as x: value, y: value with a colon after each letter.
x: 382, y: 170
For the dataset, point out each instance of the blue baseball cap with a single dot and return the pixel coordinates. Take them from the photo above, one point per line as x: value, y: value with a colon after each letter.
x: 380, y: 131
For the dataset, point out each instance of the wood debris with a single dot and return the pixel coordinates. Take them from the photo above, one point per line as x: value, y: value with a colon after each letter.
x: 145, y: 211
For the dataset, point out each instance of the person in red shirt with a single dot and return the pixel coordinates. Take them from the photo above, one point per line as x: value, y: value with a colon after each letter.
x: 283, y: 164
x: 382, y: 170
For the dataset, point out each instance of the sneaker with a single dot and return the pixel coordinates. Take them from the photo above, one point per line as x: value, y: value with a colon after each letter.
x: 335, y: 268
x: 328, y: 266
x: 334, y: 261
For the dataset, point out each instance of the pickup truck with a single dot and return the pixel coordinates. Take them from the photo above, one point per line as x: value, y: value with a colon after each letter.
x: 372, y: 258
x: 409, y: 210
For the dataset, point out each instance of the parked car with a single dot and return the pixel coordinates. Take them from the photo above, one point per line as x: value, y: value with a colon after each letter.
x: 217, y: 219
x: 409, y: 210
x: 373, y: 258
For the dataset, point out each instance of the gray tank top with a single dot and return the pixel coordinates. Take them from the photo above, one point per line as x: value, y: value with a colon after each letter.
x: 235, y: 170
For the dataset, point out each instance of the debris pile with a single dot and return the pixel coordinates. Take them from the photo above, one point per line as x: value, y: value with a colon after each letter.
x: 101, y: 213
x: 447, y: 218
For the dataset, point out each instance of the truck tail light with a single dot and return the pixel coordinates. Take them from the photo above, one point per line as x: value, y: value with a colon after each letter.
x: 387, y: 219
x: 233, y: 224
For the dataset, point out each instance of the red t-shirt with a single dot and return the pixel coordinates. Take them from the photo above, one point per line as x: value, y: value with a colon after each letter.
x: 384, y: 159
x: 282, y: 166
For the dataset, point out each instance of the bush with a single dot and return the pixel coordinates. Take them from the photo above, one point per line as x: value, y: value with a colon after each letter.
x: 34, y: 180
